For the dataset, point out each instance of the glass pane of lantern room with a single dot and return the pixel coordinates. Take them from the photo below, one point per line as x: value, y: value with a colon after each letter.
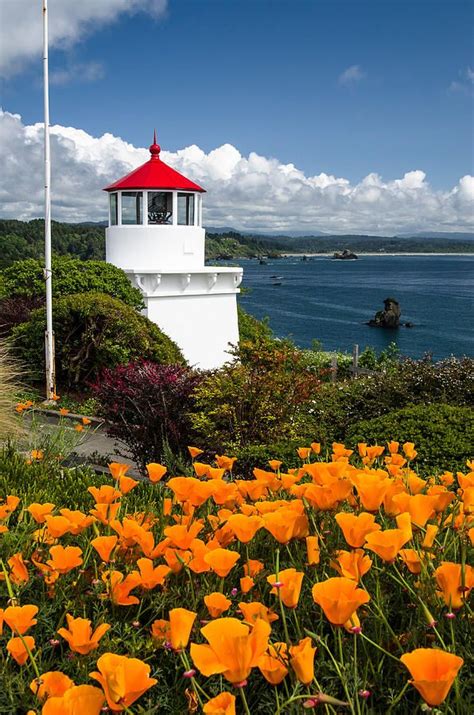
x: 186, y: 209
x: 113, y: 210
x: 132, y: 207
x: 160, y: 207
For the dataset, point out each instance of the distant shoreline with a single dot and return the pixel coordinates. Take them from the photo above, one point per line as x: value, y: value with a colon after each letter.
x: 361, y: 253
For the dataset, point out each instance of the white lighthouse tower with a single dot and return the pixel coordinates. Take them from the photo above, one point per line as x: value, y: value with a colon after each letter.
x: 155, y: 235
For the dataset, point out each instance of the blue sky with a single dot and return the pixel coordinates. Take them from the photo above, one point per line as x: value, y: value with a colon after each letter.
x: 264, y: 76
x: 325, y: 115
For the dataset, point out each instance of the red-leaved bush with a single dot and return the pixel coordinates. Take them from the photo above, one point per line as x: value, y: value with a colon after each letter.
x: 147, y: 406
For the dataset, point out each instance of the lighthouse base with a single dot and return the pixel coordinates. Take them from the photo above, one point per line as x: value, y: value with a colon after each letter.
x: 198, y: 310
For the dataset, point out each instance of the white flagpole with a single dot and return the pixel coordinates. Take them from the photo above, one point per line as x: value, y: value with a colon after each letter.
x: 49, y: 336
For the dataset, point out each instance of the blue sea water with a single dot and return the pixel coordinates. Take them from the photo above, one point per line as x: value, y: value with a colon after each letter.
x: 330, y: 301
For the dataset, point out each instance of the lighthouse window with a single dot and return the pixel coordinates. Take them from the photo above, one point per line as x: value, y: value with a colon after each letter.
x: 132, y: 207
x: 160, y: 206
x: 186, y: 209
x: 113, y: 210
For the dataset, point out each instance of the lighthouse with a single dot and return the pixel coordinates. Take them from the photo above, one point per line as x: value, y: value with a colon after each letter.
x: 155, y: 235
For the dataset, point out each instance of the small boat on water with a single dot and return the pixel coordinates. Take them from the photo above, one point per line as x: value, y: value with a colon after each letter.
x: 278, y: 278
x: 277, y: 283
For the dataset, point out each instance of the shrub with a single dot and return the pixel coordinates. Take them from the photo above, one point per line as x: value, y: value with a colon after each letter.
x: 252, y: 329
x: 147, y: 406
x: 70, y: 275
x: 9, y: 374
x: 258, y: 455
x: 16, y: 310
x: 261, y: 397
x: 338, y: 407
x: 443, y: 434
x: 92, y: 331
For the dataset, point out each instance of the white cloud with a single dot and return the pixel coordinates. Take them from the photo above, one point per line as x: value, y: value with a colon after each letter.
x: 351, y: 75
x: 251, y: 192
x: 21, y: 36
x: 80, y: 72
x: 465, y: 84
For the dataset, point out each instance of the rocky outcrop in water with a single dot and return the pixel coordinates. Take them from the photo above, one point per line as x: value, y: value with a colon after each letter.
x: 345, y: 255
x: 389, y: 317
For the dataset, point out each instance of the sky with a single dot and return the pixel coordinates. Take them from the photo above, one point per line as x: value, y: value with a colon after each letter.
x: 319, y: 115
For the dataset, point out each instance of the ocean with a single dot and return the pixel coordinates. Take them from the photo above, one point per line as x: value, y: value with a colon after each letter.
x: 330, y: 301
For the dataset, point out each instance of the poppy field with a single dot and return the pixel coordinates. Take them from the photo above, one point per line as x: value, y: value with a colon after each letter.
x: 339, y: 586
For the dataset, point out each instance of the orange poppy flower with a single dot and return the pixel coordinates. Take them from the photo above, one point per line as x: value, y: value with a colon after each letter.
x: 302, y: 660
x: 355, y: 528
x: 411, y: 559
x: 339, y: 598
x: 156, y: 472
x: 244, y: 527
x: 303, y: 452
x: 371, y: 486
x: 222, y: 704
x: 120, y: 587
x: 386, y: 544
x: 217, y: 604
x: 201, y: 469
x: 64, y: 558
x: 221, y: 561
x: 421, y: 507
x: 224, y: 462
x: 118, y: 469
x: 181, y: 623
x: 289, y: 590
x: 151, y: 576
x: 233, y: 650
x: 253, y: 567
x: 104, y: 545
x: 78, y: 427
x: 430, y: 535
x: 19, y: 647
x: 274, y: 464
x: 195, y: 452
x: 352, y: 564
x: 123, y: 679
x: 286, y: 524
x: 20, y: 618
x: 433, y: 672
x: 316, y: 447
x: 126, y: 484
x: 105, y: 513
x: 77, y: 699
x: 39, y: 512
x: 255, y: 610
x: 78, y: 521
x: 51, y: 684
x: 449, y: 577
x: 57, y: 525
x: 104, y: 494
x: 312, y: 550
x: 246, y: 584
x: 160, y: 630
x: 182, y: 536
x: 409, y: 450
x: 273, y: 663
x: 79, y: 634
x: 18, y: 570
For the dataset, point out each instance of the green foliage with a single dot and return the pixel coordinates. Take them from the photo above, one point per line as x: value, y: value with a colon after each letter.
x: 258, y: 455
x: 443, y: 434
x: 92, y: 331
x: 261, y: 397
x: 252, y: 329
x: 70, y: 275
x: 338, y: 407
x: 25, y: 239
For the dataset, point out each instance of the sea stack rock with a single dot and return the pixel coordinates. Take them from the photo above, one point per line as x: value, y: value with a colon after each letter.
x: 389, y: 317
x: 345, y: 255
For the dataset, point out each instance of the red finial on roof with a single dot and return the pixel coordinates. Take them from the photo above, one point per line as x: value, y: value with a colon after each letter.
x: 155, y: 148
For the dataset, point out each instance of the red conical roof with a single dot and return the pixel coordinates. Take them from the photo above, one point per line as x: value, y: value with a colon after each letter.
x: 154, y: 174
